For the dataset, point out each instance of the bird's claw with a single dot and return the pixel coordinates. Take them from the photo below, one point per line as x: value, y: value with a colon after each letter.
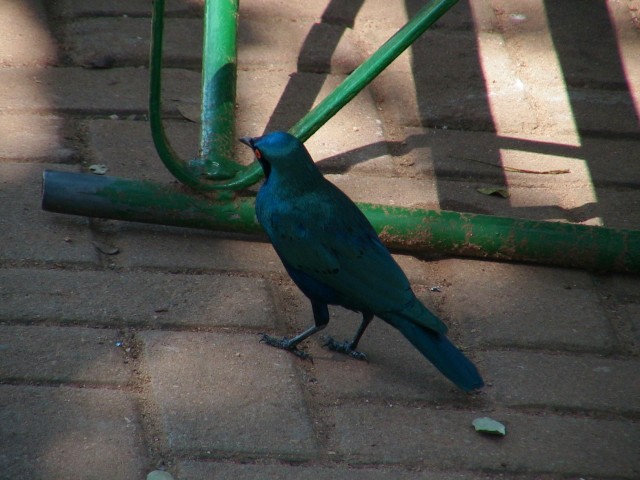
x: 344, y: 347
x: 285, y: 344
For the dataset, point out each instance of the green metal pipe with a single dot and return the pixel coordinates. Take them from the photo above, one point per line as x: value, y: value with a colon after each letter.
x: 166, y: 153
x: 370, y: 68
x: 405, y: 229
x: 218, y: 98
x: 354, y: 83
x: 144, y: 201
x: 219, y: 74
x: 507, y: 239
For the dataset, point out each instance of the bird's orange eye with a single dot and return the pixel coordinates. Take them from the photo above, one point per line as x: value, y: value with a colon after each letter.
x: 258, y: 154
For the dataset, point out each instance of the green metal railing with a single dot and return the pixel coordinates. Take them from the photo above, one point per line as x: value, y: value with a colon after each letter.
x: 218, y: 97
x: 405, y: 229
x: 219, y: 86
x: 215, y: 170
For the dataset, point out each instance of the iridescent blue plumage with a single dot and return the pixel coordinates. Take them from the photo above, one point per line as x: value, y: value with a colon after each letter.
x: 333, y: 254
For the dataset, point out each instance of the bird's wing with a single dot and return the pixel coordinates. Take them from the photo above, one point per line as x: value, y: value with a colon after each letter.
x: 329, y: 239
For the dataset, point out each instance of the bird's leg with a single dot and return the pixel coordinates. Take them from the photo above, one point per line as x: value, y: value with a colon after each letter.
x: 291, y: 344
x: 349, y: 347
x: 321, y: 318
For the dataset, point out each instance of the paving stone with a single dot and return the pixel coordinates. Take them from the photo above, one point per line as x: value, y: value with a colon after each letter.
x: 272, y: 106
x: 35, y: 138
x: 564, y: 445
x: 599, y: 65
x: 29, y: 233
x: 98, y: 8
x: 202, y: 470
x: 530, y: 379
x: 489, y: 159
x: 378, y: 20
x: 299, y: 44
x: 495, y: 303
x: 482, y: 90
x: 253, y: 405
x: 567, y: 202
x: 126, y: 147
x: 116, y: 91
x: 448, y: 155
x: 624, y: 288
x: 313, y: 9
x: 619, y: 207
x: 156, y: 299
x: 621, y: 296
x: 451, y: 96
x: 531, y: 75
x: 602, y: 112
x: 273, y: 101
x: 173, y: 248
x: 533, y: 70
x: 265, y: 41
x: 69, y: 433
x: 632, y: 315
x: 510, y: 98
x: 371, y: 36
x: 597, y: 93
x: 548, y: 58
x: 624, y: 18
x: 55, y: 354
x: 398, y: 191
x: 376, y: 13
x: 124, y: 41
x: 25, y: 38
x: 459, y: 17
x: 479, y: 155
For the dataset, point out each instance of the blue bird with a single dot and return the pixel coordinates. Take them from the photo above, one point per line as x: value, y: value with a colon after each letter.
x: 335, y: 257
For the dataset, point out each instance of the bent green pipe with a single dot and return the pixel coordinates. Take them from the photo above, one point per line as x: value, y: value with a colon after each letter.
x: 167, y: 154
x: 219, y: 72
x: 218, y: 98
x: 215, y: 169
x: 404, y: 229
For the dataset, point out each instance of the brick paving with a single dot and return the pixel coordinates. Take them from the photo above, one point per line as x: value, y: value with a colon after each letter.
x: 147, y: 357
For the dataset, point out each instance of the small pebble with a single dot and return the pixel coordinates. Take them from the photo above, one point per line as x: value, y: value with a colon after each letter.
x: 159, y: 475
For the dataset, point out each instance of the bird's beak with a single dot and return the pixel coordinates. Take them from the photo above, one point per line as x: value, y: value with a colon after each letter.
x: 248, y: 141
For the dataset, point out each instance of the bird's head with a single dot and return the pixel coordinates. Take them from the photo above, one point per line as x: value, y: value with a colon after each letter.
x: 284, y: 154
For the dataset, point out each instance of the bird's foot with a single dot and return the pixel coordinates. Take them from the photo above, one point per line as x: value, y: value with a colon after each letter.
x: 285, y: 344
x: 345, y: 347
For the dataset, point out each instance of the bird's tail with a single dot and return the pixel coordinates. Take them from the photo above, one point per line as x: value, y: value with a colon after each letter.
x: 446, y: 357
